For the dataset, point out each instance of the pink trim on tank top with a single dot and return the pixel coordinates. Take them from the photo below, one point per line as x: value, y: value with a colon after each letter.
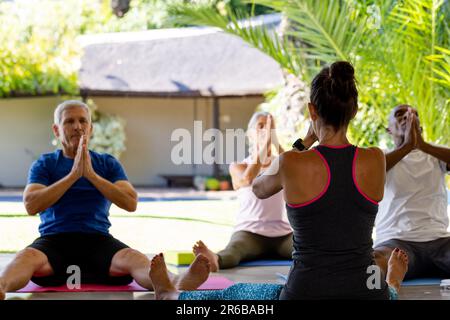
x: 323, y: 191
x: 354, y: 179
x: 342, y: 146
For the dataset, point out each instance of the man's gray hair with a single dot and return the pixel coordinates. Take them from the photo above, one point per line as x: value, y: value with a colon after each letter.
x: 69, y: 104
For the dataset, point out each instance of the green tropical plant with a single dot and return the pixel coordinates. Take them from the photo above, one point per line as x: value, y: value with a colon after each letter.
x: 442, y: 66
x: 397, y: 47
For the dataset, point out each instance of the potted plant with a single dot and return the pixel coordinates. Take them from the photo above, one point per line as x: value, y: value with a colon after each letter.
x: 225, y: 183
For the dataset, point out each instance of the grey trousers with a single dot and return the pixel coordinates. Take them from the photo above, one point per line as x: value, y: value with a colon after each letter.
x: 425, y: 259
x: 245, y: 246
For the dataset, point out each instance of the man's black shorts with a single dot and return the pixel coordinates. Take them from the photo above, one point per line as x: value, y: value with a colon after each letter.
x: 92, y: 253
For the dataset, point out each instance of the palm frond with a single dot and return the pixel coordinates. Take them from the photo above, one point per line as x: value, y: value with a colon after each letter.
x: 420, y: 62
x: 251, y: 32
x: 402, y: 60
x: 441, y: 67
x: 326, y: 30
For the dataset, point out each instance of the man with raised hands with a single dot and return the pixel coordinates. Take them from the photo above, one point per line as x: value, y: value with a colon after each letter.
x: 413, y: 213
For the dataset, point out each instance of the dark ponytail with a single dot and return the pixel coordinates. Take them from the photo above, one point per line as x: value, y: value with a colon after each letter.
x: 334, y: 94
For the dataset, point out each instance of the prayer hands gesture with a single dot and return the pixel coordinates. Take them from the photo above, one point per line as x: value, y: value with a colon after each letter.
x: 264, y: 142
x: 82, y: 165
x: 413, y: 132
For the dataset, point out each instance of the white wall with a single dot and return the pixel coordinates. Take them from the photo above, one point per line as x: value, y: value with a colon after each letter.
x: 25, y: 133
x: 238, y: 112
x: 150, y: 123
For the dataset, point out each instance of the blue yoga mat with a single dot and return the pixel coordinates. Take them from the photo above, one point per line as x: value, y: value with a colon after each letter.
x: 141, y: 199
x: 11, y: 198
x: 265, y: 263
x: 193, y: 198
x: 407, y: 283
x: 422, y: 282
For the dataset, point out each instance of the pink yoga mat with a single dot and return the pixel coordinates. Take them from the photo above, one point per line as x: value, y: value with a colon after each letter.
x: 213, y: 283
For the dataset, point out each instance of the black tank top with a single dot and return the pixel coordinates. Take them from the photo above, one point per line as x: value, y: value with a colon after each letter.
x: 333, y: 236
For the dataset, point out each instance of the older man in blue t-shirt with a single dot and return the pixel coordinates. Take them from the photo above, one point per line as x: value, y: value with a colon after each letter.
x: 72, y: 190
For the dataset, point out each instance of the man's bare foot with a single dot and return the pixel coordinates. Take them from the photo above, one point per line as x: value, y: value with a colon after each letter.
x: 197, y: 273
x: 164, y: 289
x: 397, y: 268
x: 201, y: 248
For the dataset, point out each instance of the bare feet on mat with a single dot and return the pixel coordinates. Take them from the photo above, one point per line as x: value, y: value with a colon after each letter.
x: 201, y: 248
x: 397, y: 268
x: 197, y: 273
x: 164, y: 289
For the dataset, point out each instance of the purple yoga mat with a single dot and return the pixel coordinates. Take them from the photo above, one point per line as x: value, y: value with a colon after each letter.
x: 213, y: 283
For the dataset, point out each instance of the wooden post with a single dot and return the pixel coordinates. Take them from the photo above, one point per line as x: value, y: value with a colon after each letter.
x: 216, y: 124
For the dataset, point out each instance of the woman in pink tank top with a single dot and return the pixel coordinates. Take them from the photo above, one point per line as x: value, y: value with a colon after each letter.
x: 262, y: 229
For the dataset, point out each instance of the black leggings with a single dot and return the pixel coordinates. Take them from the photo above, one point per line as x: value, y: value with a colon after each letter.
x: 245, y: 246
